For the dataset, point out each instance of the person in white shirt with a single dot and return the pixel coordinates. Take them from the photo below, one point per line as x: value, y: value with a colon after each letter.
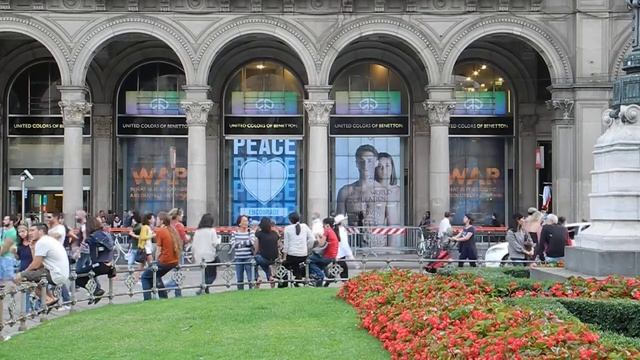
x: 205, y: 240
x: 49, y: 259
x: 298, y: 239
x: 445, y: 230
x: 344, y: 250
x: 56, y: 229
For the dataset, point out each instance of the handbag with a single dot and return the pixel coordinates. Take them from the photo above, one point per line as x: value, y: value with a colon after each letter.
x: 141, y: 256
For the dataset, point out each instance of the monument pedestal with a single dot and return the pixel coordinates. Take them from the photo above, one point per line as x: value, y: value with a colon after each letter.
x: 596, y: 262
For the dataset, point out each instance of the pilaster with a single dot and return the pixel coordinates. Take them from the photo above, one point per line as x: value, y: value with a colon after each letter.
x: 563, y: 158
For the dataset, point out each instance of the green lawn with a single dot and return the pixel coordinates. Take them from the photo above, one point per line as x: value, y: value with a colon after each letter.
x: 301, y: 323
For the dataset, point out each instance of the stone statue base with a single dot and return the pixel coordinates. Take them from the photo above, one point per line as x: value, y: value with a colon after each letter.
x: 602, y: 262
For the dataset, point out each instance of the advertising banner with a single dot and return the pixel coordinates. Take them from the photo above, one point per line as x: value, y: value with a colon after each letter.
x: 368, y: 103
x: 481, y: 126
x: 263, y: 125
x: 152, y: 113
x: 264, y: 179
x: 149, y: 176
x: 153, y: 102
x: 483, y: 103
x: 370, y: 126
x: 476, y: 181
x: 264, y: 103
x: 152, y: 126
x: 41, y: 126
x: 368, y: 180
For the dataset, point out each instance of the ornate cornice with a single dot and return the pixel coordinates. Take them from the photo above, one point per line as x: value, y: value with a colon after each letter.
x: 376, y: 20
x: 439, y: 111
x: 563, y: 108
x: 136, y: 19
x: 318, y: 111
x: 197, y: 112
x: 255, y: 19
x: 73, y: 112
x: 519, y: 22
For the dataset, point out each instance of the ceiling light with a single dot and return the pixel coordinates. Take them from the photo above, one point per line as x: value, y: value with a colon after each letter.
x: 260, y: 66
x: 481, y: 85
x: 475, y: 73
x: 468, y: 78
x: 483, y: 67
x: 500, y: 79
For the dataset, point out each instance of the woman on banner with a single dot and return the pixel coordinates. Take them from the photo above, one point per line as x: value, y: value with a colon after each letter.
x: 387, y: 177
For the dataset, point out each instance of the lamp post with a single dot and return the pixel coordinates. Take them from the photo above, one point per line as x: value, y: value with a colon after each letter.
x: 24, y: 176
x: 626, y: 90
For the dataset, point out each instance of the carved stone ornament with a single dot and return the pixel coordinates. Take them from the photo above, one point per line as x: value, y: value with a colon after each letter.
x: 102, y: 126
x: 196, y: 111
x: 73, y: 113
x: 439, y: 112
x: 318, y: 111
x: 565, y: 106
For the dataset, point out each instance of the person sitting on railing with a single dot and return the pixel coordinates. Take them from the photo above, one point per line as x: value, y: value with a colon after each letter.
x: 324, y: 253
x: 49, y: 259
x: 297, y: 238
x: 266, y: 248
x: 101, y: 248
x: 520, y: 242
x: 168, y: 251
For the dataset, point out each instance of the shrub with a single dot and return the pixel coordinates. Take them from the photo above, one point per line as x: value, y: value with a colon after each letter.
x: 620, y: 316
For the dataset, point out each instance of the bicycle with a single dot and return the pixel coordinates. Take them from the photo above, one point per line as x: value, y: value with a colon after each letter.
x: 119, y: 247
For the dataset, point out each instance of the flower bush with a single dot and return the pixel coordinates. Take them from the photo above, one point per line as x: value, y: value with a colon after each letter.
x: 613, y: 287
x: 456, y: 317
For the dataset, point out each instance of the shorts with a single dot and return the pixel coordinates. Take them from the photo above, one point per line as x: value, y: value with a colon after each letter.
x: 36, y: 275
x: 148, y: 247
x: 7, y: 268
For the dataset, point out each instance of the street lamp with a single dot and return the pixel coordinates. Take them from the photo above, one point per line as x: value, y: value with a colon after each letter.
x: 24, y: 175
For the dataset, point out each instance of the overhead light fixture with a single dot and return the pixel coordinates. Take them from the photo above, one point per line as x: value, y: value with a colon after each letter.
x: 500, y: 79
x: 468, y: 78
x: 260, y: 66
x: 481, y: 85
x: 483, y: 67
x: 475, y: 73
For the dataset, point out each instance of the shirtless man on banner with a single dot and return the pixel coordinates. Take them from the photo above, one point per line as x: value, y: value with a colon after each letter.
x: 365, y: 195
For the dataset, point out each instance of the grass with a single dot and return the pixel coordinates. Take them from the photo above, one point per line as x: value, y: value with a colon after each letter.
x: 259, y: 324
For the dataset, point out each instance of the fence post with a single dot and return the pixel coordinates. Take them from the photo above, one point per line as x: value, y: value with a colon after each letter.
x: 72, y: 278
x: 23, y: 309
x: 307, y: 277
x: 91, y: 286
x: 43, y: 298
x: 154, y: 287
x: 110, y: 280
x: 203, y: 278
x: 2, y: 295
x: 254, y: 274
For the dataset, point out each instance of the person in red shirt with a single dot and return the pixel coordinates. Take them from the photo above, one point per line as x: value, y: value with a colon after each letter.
x: 168, y: 251
x: 325, y: 253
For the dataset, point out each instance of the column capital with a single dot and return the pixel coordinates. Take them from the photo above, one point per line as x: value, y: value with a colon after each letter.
x: 439, y: 111
x: 197, y: 111
x: 318, y: 111
x: 563, y: 109
x: 73, y: 112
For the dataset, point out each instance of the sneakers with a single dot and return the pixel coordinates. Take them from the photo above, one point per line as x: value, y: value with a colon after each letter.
x: 98, y: 296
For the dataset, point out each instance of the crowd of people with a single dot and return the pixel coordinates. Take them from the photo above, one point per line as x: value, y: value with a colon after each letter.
x: 33, y: 250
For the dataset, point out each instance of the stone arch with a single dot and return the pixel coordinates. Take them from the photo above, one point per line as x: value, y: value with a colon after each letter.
x: 535, y: 34
x: 619, y: 50
x: 45, y: 35
x: 101, y: 33
x: 421, y: 42
x: 291, y: 34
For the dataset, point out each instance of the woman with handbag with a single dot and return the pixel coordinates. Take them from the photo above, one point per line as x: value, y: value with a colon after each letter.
x: 520, y: 242
x: 205, y: 241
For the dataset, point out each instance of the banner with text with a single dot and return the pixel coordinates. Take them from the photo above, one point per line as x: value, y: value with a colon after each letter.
x: 264, y: 126
x: 150, y: 178
x: 264, y: 103
x: 264, y: 179
x: 368, y: 103
x: 152, y: 126
x: 481, y: 103
x: 154, y: 103
x: 480, y: 126
x: 369, y: 126
x: 476, y: 181
x: 41, y: 126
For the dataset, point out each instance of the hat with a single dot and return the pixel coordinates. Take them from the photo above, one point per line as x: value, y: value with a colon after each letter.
x: 340, y: 218
x: 531, y: 210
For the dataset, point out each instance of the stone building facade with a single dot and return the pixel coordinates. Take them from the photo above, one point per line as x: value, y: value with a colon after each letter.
x: 258, y: 106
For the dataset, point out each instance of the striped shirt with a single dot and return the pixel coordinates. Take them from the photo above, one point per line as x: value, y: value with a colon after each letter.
x: 242, y: 243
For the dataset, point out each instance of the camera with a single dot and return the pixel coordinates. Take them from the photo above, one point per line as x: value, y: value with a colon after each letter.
x: 26, y: 173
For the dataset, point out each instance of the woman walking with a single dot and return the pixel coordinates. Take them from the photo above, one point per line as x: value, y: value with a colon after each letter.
x: 298, y: 238
x: 242, y: 241
x: 467, y: 242
x: 168, y: 251
x: 266, y: 247
x: 205, y: 240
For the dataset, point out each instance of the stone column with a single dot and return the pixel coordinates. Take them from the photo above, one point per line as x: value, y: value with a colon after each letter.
x: 563, y: 158
x: 214, y: 157
x: 318, y: 108
x: 74, y: 107
x: 102, y: 173
x: 196, y: 108
x: 439, y: 114
x: 528, y: 196
x: 420, y: 173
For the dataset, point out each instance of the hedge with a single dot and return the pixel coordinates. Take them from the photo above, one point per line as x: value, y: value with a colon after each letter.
x: 616, y: 315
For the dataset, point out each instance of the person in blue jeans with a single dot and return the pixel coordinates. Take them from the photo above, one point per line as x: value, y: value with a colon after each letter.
x: 321, y: 258
x: 266, y: 247
x: 168, y: 249
x: 242, y: 242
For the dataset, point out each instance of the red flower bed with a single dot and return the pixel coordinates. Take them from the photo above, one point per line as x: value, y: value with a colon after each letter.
x: 454, y: 317
x: 613, y: 287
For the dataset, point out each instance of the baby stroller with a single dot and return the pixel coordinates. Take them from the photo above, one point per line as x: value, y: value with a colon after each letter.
x: 434, y: 248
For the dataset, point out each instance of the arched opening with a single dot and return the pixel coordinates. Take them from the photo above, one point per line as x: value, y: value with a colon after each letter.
x: 369, y: 129
x: 35, y: 141
x: 496, y: 131
x: 263, y: 126
x: 151, y: 139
